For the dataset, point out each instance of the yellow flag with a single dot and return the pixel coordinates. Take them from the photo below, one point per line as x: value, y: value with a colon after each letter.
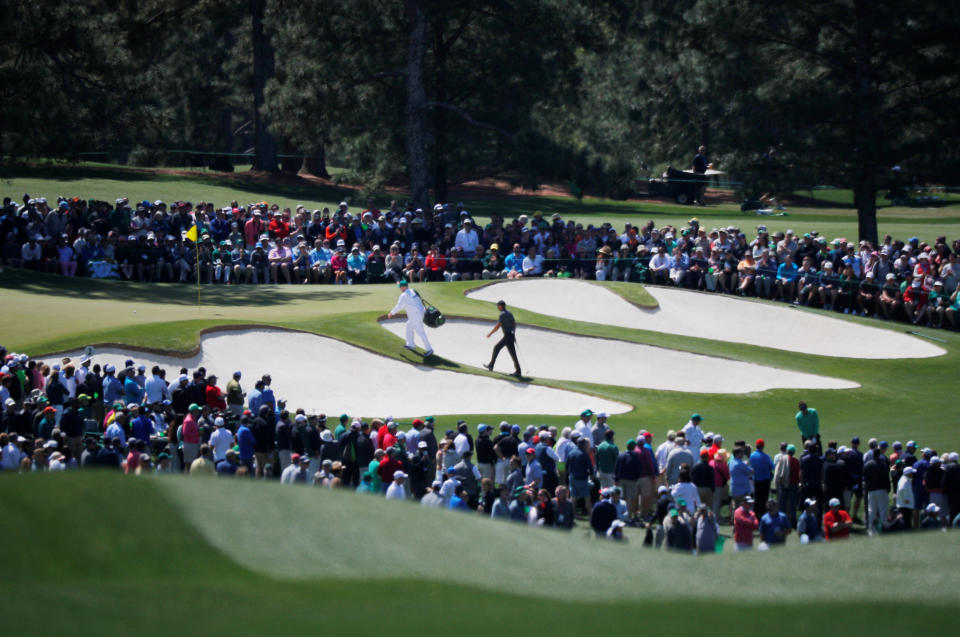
x: 192, y: 233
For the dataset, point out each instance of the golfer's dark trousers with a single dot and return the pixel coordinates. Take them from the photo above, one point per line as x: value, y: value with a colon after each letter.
x: 508, y: 341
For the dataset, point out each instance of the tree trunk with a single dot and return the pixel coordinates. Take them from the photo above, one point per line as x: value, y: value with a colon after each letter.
x: 265, y: 146
x: 315, y: 164
x: 867, y: 129
x: 440, y: 124
x: 416, y: 106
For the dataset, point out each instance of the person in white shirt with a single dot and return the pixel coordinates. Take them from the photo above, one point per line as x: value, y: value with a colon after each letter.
x: 660, y: 266
x: 693, y: 432
x: 395, y: 491
x: 684, y: 489
x: 11, y: 451
x: 663, y: 451
x: 584, y: 426
x: 411, y: 303
x: 467, y: 239
x: 221, y: 440
x: 533, y: 263
x: 155, y: 388
x: 461, y: 443
x: 905, y: 500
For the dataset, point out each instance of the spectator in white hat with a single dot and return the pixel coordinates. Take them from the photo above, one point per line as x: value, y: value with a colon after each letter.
x: 396, y: 491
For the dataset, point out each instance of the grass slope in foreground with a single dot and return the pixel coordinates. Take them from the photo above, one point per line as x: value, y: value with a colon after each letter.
x: 108, y: 555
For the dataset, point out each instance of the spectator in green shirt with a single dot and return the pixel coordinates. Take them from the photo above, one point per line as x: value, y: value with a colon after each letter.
x: 808, y: 422
x: 607, y: 454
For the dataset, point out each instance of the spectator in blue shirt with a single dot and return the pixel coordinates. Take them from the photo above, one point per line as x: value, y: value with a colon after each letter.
x: 762, y: 467
x: 267, y: 394
x: 255, y: 398
x: 132, y: 391
x: 787, y: 274
x: 246, y: 441
x: 141, y: 424
x: 740, y: 475
x: 774, y: 525
x: 112, y: 387
x: 513, y: 264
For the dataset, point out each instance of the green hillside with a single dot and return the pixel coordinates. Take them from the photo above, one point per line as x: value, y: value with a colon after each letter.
x: 107, y: 554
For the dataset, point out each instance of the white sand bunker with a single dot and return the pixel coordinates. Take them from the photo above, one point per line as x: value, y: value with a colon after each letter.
x: 710, y: 316
x: 550, y: 354
x: 324, y: 375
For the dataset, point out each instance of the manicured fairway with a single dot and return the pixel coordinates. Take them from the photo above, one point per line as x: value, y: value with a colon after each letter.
x: 896, y: 400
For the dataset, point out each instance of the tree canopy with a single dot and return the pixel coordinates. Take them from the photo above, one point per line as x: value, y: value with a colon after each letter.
x: 595, y: 94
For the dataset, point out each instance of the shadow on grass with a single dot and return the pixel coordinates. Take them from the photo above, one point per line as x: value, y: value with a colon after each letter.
x: 170, y: 293
x: 282, y: 185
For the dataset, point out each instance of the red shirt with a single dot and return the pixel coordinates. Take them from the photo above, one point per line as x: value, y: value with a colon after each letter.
x: 190, y: 432
x: 279, y: 228
x: 744, y: 524
x: 917, y: 296
x: 829, y: 519
x: 387, y: 467
x: 386, y: 441
x: 435, y: 263
x: 794, y: 472
x: 215, y: 398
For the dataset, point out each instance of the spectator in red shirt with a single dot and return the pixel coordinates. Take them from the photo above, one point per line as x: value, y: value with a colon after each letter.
x: 387, y: 437
x: 435, y: 264
x: 252, y: 229
x: 338, y: 265
x: 744, y: 524
x: 388, y: 466
x: 836, y: 522
x: 279, y: 227
x: 214, y: 395
x: 914, y: 300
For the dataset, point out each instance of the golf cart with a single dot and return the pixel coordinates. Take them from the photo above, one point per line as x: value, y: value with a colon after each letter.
x: 681, y: 185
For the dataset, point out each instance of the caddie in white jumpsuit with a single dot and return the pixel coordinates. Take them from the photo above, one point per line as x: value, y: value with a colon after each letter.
x: 410, y: 302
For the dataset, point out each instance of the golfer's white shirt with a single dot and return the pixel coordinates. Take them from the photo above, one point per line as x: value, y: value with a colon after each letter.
x: 411, y: 304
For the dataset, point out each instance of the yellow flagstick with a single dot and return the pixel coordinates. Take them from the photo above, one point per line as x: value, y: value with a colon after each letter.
x: 193, y: 234
x: 197, y: 250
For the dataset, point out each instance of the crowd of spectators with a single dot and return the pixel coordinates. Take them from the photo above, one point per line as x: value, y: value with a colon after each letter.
x: 67, y: 415
x: 263, y: 244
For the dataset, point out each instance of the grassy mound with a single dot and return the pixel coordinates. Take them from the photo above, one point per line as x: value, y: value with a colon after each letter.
x: 108, y: 554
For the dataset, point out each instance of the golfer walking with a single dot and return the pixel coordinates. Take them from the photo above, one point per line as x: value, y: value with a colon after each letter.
x: 410, y: 302
x: 508, y: 325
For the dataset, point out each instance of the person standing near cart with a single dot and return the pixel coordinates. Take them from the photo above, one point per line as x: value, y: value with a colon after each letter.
x: 508, y: 325
x: 411, y: 303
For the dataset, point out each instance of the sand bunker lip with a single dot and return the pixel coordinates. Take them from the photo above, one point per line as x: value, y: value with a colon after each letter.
x: 324, y: 375
x: 710, y: 316
x: 557, y: 355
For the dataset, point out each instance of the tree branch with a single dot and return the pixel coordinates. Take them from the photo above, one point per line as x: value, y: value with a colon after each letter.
x: 470, y: 120
x: 374, y: 76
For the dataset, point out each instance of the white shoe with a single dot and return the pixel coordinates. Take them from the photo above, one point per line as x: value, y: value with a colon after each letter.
x: 409, y: 347
x: 428, y: 353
